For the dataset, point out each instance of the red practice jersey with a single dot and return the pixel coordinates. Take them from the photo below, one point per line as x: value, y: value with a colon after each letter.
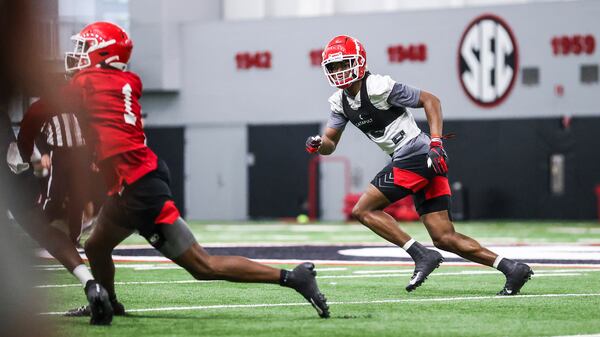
x: 107, y: 104
x: 110, y: 98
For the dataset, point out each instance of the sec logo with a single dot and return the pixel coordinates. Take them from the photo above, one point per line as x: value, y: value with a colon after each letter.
x: 487, y: 60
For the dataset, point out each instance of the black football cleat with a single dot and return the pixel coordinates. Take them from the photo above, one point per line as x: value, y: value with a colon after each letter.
x: 423, y: 267
x: 118, y: 307
x: 515, y: 279
x: 303, y: 280
x: 101, y: 310
x: 84, y: 311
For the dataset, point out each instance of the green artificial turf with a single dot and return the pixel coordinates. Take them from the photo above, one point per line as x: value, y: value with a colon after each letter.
x: 364, y: 300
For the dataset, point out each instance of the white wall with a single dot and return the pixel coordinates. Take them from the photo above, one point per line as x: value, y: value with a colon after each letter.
x: 213, y: 92
x: 156, y: 32
x: 292, y: 91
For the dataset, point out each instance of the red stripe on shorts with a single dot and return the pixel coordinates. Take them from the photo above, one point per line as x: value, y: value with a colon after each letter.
x: 168, y: 214
x: 409, y: 179
x: 437, y: 187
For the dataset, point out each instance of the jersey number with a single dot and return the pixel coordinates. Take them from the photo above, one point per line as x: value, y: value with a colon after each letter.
x: 129, y: 116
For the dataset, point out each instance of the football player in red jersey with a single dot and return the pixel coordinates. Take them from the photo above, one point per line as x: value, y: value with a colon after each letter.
x: 376, y: 105
x: 106, y: 96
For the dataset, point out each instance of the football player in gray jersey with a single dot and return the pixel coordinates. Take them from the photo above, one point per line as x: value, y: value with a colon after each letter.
x: 377, y: 106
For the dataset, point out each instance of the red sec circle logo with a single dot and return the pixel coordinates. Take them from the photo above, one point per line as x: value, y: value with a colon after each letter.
x: 488, y: 60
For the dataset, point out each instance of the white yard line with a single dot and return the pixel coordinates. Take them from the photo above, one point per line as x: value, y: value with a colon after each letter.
x: 471, y: 272
x: 390, y: 301
x: 553, y: 275
x: 437, y: 274
x: 393, y: 274
x: 124, y: 283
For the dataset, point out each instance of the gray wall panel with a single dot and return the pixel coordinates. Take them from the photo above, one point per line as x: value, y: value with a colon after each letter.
x: 213, y: 94
x: 216, y: 173
x: 292, y: 91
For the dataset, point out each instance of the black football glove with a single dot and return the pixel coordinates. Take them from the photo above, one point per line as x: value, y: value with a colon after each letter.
x: 313, y: 143
x: 437, y: 157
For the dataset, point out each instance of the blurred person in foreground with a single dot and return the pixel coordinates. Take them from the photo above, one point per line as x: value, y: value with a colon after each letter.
x: 20, y: 67
x: 105, y: 97
x: 376, y: 105
x: 40, y: 221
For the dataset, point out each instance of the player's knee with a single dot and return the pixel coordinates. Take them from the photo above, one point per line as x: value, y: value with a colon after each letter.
x: 94, y: 248
x: 359, y: 213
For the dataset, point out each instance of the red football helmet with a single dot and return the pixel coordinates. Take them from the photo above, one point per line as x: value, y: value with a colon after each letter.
x: 344, y: 61
x: 99, y: 43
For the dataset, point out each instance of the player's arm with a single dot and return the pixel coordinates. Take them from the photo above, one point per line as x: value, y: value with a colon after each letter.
x: 433, y: 112
x: 31, y: 125
x: 44, y: 149
x: 325, y: 144
x: 66, y: 99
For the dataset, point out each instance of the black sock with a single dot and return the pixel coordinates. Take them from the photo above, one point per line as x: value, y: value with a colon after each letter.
x: 416, y: 250
x: 506, y: 265
x: 283, y: 277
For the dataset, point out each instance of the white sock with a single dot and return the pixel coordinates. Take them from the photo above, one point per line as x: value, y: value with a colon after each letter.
x: 497, y: 261
x: 408, y: 244
x: 83, y: 274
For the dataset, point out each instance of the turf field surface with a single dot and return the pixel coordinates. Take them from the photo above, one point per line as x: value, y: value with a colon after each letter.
x: 365, y: 300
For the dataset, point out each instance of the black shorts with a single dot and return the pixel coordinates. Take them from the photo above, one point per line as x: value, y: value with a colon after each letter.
x: 431, y: 192
x: 67, y: 188
x: 144, y: 205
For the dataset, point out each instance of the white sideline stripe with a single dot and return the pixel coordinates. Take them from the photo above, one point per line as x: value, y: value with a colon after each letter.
x: 127, y: 283
x: 383, y: 271
x: 435, y: 274
x: 462, y: 273
x: 331, y: 269
x: 552, y: 275
x: 594, y: 335
x: 141, y: 267
x: 161, y: 259
x: 269, y: 305
x: 473, y: 272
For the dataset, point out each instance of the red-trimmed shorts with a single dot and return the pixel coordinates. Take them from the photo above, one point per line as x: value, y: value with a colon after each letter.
x: 411, y: 176
x: 144, y: 205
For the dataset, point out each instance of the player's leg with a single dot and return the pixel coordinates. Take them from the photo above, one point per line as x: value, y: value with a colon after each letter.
x: 98, y: 248
x: 203, y: 266
x: 150, y: 205
x: 369, y: 211
x: 383, y: 190
x: 30, y: 217
x: 177, y: 242
x: 79, y: 194
x: 435, y: 215
x: 444, y: 237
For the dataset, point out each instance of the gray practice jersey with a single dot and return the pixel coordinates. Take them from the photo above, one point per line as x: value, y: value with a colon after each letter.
x: 384, y: 93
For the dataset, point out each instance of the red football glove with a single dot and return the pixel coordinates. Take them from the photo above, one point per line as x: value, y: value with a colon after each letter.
x: 313, y: 143
x: 437, y: 156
